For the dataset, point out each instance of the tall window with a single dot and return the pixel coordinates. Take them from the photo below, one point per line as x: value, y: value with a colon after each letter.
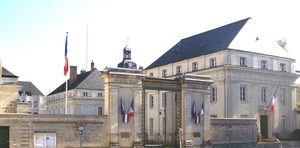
x: 264, y: 65
x: 151, y: 126
x: 100, y: 95
x: 213, y: 62
x: 195, y: 66
x: 242, y: 93
x: 263, y: 94
x: 243, y: 61
x: 35, y: 103
x: 58, y: 111
x: 283, y: 123
x: 214, y: 93
x: 282, y: 67
x: 178, y: 69
x: 85, y: 94
x: 29, y: 102
x: 164, y: 73
x: 151, y: 101
x: 100, y: 111
x: 282, y: 95
x: 84, y: 110
x: 54, y: 111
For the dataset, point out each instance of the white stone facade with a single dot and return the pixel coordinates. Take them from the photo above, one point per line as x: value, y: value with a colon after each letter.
x: 237, y: 72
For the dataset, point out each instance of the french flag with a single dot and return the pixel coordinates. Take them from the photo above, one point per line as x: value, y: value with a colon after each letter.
x: 125, y: 117
x: 66, y: 67
x: 194, y: 111
x: 272, y: 104
x: 197, y: 119
x: 131, y: 110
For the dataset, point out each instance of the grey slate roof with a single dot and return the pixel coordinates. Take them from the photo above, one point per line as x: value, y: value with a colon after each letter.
x: 6, y: 73
x: 201, y: 44
x: 79, y: 79
x: 28, y: 86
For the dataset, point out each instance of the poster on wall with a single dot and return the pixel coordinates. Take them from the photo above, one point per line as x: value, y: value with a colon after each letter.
x: 50, y: 141
x: 39, y: 141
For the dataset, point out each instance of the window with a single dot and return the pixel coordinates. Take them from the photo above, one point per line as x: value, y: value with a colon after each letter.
x: 195, y: 66
x: 35, y: 103
x: 282, y: 67
x: 214, y: 94
x: 242, y: 93
x: 151, y: 126
x: 28, y: 93
x: 21, y: 93
x: 49, y: 111
x: 85, y: 94
x: 44, y: 140
x: 283, y: 123
x: 178, y: 70
x: 35, y: 113
x: 213, y: 62
x: 29, y: 102
x: 213, y: 116
x: 58, y: 111
x: 164, y: 73
x: 282, y: 95
x: 264, y: 65
x: 164, y: 96
x: 84, y: 110
x: 243, y: 61
x: 100, y: 111
x: 151, y: 101
x: 151, y: 74
x: 54, y: 111
x: 263, y: 94
x: 100, y: 95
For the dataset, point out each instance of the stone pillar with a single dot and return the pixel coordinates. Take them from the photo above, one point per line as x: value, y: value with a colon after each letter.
x: 125, y: 84
x: 137, y: 139
x: 187, y: 114
x: 206, y: 134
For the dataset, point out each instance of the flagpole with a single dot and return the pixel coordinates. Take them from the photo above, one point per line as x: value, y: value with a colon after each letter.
x: 66, y: 74
x: 272, y: 97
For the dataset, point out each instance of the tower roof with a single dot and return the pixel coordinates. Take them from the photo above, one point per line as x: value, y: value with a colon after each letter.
x: 201, y: 44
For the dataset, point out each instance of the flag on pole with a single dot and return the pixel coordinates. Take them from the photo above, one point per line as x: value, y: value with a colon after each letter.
x: 125, y: 117
x: 131, y: 110
x: 197, y: 119
x: 273, y: 104
x: 193, y: 110
x: 202, y: 109
x: 66, y: 67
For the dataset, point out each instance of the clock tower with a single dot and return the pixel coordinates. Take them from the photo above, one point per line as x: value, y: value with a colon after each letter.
x: 127, y: 62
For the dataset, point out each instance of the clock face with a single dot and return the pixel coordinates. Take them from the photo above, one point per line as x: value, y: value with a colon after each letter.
x: 130, y: 64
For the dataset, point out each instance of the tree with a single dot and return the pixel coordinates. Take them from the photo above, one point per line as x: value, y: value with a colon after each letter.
x: 283, y: 43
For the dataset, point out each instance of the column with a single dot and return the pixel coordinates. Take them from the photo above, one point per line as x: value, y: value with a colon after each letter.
x: 137, y: 131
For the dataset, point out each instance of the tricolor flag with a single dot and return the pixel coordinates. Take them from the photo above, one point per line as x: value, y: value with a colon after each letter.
x: 131, y: 110
x: 193, y: 110
x: 273, y: 101
x: 202, y: 109
x: 66, y: 67
x: 197, y: 119
x: 273, y: 104
x: 125, y: 117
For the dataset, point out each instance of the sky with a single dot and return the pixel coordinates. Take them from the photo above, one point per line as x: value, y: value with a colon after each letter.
x: 33, y: 32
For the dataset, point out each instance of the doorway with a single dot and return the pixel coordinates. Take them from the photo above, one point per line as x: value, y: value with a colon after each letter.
x: 264, y: 126
x: 4, y: 136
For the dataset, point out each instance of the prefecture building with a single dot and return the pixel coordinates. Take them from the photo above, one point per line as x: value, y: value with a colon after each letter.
x: 246, y: 70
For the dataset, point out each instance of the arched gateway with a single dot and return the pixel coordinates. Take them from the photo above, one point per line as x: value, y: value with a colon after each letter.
x: 145, y: 110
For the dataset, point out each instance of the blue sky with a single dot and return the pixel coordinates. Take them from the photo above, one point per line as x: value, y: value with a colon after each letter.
x: 33, y: 32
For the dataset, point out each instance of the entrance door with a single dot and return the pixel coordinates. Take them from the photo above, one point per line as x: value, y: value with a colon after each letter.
x: 264, y: 126
x: 4, y: 136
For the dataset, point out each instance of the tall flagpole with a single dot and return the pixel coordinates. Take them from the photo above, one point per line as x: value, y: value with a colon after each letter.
x: 66, y: 69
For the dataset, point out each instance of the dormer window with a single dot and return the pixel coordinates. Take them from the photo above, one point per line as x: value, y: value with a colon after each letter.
x: 151, y: 74
x: 282, y: 67
x: 85, y: 94
x: 164, y: 73
x: 213, y: 62
x: 264, y: 65
x: 243, y: 61
x: 195, y: 66
x: 178, y: 70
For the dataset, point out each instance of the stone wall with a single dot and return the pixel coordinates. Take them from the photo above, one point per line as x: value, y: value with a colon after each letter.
x: 243, y: 132
x: 23, y: 127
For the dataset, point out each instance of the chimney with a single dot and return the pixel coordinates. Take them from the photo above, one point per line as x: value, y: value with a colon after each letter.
x: 73, y: 74
x: 82, y: 71
x: 92, y: 66
x: 141, y: 68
